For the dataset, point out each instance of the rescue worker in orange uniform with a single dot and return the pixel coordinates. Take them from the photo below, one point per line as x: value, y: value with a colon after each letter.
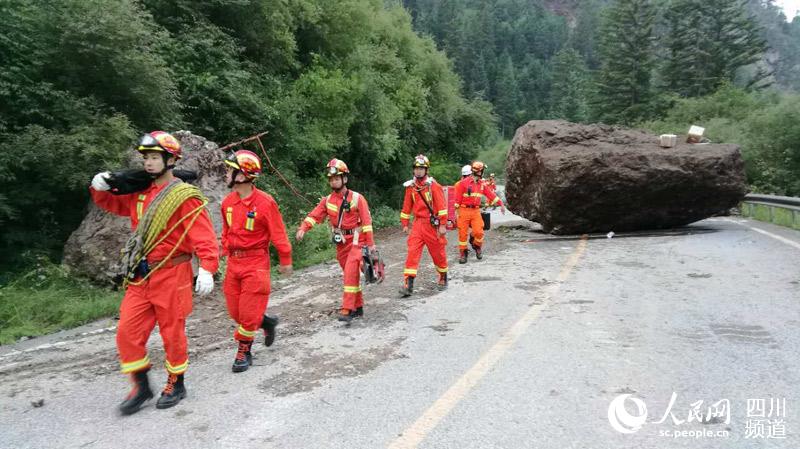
x: 170, y: 217
x: 492, y: 183
x: 424, y: 200
x: 469, y: 192
x: 350, y: 219
x: 251, y: 220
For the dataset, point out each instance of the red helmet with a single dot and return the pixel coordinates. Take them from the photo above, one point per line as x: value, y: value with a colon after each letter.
x: 421, y: 161
x: 336, y: 167
x: 478, y: 167
x: 245, y: 161
x: 160, y: 141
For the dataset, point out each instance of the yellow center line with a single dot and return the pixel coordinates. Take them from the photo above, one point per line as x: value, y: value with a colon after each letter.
x: 415, y: 434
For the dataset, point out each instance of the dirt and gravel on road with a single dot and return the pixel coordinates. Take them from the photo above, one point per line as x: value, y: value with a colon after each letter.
x: 306, y: 303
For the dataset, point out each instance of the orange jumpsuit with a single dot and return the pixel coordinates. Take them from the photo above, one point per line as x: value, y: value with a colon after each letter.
x: 357, y: 227
x: 468, y: 202
x: 422, y: 232
x: 491, y: 185
x: 166, y: 296
x: 248, y: 227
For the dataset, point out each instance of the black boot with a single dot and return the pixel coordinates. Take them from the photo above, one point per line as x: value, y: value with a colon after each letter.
x: 442, y: 284
x: 359, y: 312
x: 268, y: 324
x: 140, y: 393
x: 408, y: 287
x: 244, y: 358
x: 463, y: 258
x: 173, y: 392
x: 478, y: 253
x: 346, y: 315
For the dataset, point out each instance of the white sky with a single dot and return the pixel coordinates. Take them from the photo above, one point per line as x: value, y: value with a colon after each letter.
x: 790, y: 7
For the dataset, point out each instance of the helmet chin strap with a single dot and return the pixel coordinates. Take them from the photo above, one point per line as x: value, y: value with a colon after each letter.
x: 165, y: 157
x: 234, y: 182
x: 344, y: 185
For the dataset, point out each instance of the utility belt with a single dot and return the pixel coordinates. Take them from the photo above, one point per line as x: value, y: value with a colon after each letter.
x: 145, y: 265
x: 247, y: 252
x: 339, y: 234
x: 470, y: 207
x: 434, y: 221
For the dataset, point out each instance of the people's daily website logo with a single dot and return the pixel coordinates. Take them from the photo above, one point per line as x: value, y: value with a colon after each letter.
x: 766, y: 418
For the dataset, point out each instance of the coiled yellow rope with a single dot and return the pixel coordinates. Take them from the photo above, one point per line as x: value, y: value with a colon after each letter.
x: 153, y: 224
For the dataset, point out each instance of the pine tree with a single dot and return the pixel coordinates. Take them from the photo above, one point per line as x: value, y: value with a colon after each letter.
x: 535, y: 83
x: 788, y: 72
x: 708, y: 42
x: 506, y: 94
x: 626, y: 57
x: 570, y: 86
x: 583, y: 37
x: 475, y: 57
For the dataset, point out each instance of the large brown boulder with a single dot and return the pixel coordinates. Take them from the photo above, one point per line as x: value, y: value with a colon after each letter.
x: 574, y: 178
x: 93, y: 250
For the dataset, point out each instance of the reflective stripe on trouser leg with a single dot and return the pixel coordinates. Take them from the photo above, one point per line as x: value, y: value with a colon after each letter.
x: 177, y: 369
x: 352, y: 278
x: 415, y: 243
x: 477, y: 228
x: 242, y: 334
x: 253, y: 296
x: 172, y: 300
x: 467, y: 218
x: 134, y: 366
x: 137, y: 318
x: 437, y: 247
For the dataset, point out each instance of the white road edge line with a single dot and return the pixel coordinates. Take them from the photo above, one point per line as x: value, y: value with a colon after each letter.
x: 768, y: 234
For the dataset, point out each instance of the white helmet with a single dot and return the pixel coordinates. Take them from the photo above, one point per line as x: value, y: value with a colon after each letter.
x: 466, y: 170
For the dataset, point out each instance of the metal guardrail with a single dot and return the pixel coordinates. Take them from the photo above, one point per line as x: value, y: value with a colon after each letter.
x: 779, y: 210
x: 773, y: 200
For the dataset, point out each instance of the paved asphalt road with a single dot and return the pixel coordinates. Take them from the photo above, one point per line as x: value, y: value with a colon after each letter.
x: 527, y: 349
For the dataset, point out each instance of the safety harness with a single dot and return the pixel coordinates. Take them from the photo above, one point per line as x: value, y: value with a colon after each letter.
x: 154, y: 222
x: 433, y: 218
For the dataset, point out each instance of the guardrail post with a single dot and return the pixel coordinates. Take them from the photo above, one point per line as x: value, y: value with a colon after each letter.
x: 779, y: 210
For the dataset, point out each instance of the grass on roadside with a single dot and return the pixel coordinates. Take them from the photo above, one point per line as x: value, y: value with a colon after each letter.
x: 47, y: 299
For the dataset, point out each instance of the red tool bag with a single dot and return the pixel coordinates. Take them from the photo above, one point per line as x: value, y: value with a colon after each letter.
x: 450, y: 197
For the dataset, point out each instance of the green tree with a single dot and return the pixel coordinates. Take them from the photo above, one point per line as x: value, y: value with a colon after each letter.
x: 787, y: 72
x: 70, y: 92
x: 570, y: 86
x: 708, y: 43
x: 475, y: 57
x: 624, y: 90
x: 349, y: 78
x: 535, y: 84
x: 220, y: 94
x: 772, y: 152
x: 488, y: 30
x: 506, y: 95
x: 583, y: 37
